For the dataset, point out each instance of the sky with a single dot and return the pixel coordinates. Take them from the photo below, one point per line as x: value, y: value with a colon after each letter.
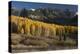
x: 30, y: 5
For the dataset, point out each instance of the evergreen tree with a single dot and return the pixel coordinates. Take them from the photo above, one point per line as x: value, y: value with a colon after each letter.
x: 24, y: 13
x: 68, y: 13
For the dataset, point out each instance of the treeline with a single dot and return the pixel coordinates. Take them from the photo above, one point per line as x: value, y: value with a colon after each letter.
x: 36, y: 28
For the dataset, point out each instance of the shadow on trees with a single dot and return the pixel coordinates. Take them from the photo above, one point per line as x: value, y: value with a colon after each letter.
x: 14, y: 27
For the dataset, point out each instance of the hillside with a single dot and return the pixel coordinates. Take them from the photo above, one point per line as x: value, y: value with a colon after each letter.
x: 40, y: 35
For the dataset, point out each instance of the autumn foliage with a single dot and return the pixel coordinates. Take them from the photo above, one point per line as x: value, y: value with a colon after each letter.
x: 36, y: 28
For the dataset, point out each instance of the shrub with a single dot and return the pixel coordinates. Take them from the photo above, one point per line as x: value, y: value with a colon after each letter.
x: 15, y: 39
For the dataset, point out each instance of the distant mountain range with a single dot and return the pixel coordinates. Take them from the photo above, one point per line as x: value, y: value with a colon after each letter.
x: 48, y: 15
